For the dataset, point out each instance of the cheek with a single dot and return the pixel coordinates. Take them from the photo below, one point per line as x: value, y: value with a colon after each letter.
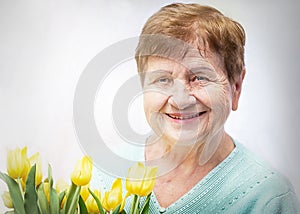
x: 203, y: 95
x: 154, y: 102
x: 221, y: 101
x: 215, y: 97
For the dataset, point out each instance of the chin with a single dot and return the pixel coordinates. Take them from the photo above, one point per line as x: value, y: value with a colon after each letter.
x: 184, y: 139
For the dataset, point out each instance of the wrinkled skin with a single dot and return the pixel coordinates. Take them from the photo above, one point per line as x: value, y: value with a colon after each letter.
x: 188, y: 102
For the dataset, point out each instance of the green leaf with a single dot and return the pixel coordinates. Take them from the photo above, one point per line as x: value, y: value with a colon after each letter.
x: 82, y: 206
x: 54, y: 202
x: 30, y: 199
x: 135, y: 204
x: 62, y: 211
x: 72, y: 199
x: 61, y: 197
x: 50, y: 179
x: 101, y: 210
x: 116, y: 211
x: 42, y: 200
x: 123, y: 212
x: 15, y: 193
x: 145, y: 208
x: 70, y: 194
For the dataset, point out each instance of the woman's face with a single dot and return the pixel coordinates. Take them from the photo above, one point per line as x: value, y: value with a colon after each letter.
x: 187, y: 102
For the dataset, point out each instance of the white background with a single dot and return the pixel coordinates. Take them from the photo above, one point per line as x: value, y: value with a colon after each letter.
x: 45, y: 45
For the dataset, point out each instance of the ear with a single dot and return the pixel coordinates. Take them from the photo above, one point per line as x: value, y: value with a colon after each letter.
x: 236, y: 90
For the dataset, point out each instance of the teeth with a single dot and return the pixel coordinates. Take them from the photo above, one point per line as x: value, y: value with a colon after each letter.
x: 185, y: 117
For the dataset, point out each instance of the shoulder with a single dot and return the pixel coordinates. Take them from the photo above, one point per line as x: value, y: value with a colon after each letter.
x: 273, y: 194
x: 263, y: 187
x: 261, y: 174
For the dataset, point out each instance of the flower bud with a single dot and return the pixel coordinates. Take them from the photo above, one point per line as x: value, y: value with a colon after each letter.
x: 140, y: 179
x: 82, y: 173
x: 17, y: 163
x: 7, y: 200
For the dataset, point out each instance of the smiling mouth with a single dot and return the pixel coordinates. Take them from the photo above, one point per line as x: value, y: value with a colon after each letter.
x: 186, y: 116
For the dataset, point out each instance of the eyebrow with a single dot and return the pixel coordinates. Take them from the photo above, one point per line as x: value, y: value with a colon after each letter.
x: 160, y: 71
x: 201, y: 69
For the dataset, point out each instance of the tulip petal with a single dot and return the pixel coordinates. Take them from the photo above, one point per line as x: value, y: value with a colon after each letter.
x: 136, y: 172
x: 149, y: 181
x: 61, y: 185
x: 96, y: 197
x: 82, y: 172
x: 140, y: 180
x: 36, y: 159
x: 84, y: 192
x: 113, y: 198
x: 7, y: 200
x: 17, y: 163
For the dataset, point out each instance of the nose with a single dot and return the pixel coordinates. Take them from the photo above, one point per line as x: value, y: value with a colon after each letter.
x: 181, y: 97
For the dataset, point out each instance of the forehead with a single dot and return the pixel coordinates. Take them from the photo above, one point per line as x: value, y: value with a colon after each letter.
x: 189, y: 64
x: 177, y: 50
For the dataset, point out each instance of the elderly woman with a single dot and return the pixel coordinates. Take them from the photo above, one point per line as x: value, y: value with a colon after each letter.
x: 191, y: 62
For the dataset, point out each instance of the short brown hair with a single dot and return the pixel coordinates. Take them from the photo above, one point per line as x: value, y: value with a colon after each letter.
x: 200, y: 26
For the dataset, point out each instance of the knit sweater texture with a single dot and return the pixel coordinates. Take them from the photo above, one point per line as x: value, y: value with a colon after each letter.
x: 242, y: 183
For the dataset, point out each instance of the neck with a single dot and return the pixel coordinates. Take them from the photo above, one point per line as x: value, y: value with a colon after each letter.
x: 203, y: 155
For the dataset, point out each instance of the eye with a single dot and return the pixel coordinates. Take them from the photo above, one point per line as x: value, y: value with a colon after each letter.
x: 198, y: 78
x: 164, y: 80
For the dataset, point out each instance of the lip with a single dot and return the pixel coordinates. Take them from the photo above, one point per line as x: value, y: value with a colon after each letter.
x: 185, y: 116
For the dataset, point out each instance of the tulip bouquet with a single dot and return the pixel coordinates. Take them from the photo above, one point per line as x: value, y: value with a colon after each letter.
x: 29, y: 193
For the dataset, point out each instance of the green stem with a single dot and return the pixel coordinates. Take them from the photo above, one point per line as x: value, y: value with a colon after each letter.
x: 74, y: 199
x: 21, y: 188
x: 137, y: 203
x: 133, y: 204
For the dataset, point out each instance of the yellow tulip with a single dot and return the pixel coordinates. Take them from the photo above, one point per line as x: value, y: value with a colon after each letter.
x: 62, y: 186
x: 47, y: 190
x: 140, y: 179
x: 91, y: 204
x: 113, y: 198
x: 82, y: 173
x: 23, y: 183
x: 36, y: 159
x: 7, y: 200
x: 84, y: 192
x: 62, y: 204
x: 17, y: 163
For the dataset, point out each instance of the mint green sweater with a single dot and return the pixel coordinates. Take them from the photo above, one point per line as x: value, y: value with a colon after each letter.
x: 240, y: 184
